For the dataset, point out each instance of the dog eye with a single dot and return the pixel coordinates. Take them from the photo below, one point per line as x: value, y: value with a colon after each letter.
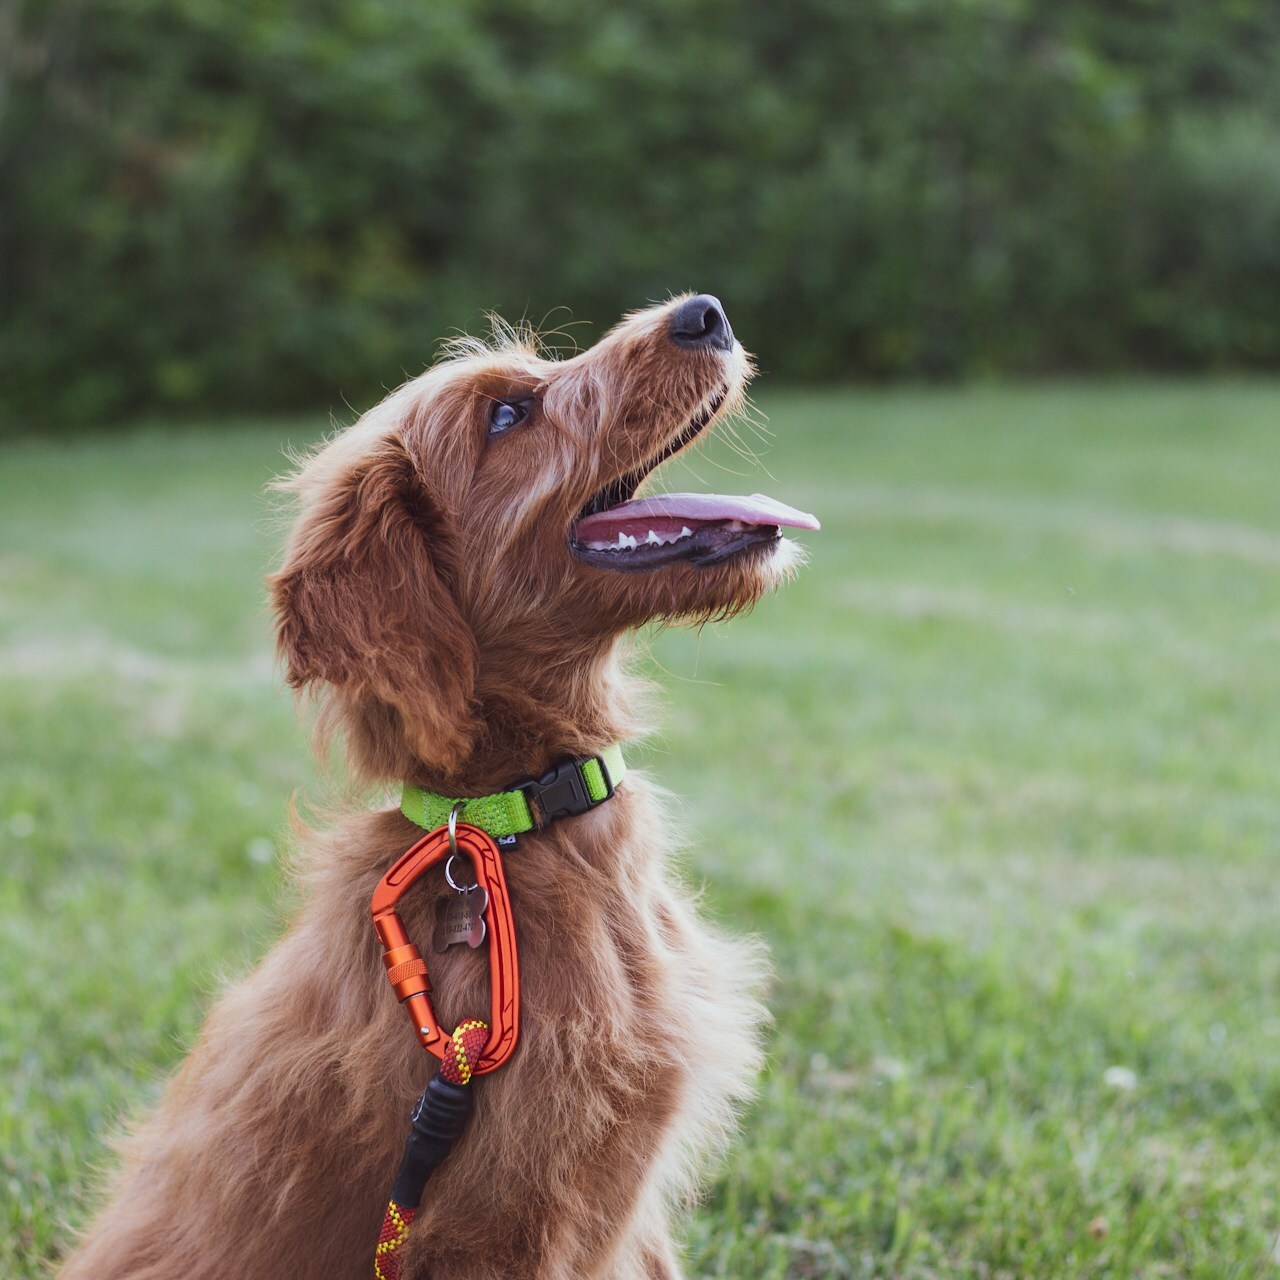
x: 507, y: 414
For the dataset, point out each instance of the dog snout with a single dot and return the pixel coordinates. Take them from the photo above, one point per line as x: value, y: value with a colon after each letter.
x: 701, y: 322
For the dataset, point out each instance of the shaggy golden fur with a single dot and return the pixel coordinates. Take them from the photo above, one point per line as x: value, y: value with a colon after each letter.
x: 429, y: 595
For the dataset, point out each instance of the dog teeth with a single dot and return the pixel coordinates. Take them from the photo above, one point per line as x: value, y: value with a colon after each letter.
x: 629, y: 542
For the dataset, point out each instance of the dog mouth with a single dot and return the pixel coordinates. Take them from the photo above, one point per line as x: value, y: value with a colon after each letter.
x: 616, y: 530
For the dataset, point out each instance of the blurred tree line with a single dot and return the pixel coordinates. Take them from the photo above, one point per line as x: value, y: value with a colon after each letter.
x: 248, y: 204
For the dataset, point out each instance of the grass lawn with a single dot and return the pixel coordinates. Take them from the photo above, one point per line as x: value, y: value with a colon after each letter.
x: 996, y: 778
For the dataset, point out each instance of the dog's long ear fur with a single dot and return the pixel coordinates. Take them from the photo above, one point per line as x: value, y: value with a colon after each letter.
x: 364, y: 604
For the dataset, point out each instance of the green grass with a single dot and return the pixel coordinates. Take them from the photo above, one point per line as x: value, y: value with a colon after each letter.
x: 996, y: 778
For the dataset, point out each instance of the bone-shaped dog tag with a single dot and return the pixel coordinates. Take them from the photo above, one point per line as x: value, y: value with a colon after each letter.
x: 461, y: 919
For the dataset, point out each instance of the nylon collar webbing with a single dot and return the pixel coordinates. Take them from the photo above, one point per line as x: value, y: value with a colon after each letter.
x: 569, y: 788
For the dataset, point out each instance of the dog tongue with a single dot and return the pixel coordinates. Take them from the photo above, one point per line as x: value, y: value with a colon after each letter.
x: 699, y: 508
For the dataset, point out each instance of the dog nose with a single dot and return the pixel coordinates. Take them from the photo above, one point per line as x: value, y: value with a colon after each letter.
x: 701, y: 322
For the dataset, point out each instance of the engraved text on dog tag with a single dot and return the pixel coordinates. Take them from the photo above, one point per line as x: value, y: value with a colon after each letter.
x: 461, y: 919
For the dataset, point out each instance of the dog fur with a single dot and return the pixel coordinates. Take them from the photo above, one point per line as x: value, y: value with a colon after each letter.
x: 430, y: 598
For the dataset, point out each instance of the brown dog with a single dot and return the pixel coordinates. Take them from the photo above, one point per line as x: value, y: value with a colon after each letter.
x: 456, y: 586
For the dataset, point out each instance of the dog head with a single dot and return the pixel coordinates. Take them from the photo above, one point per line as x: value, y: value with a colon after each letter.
x: 465, y: 555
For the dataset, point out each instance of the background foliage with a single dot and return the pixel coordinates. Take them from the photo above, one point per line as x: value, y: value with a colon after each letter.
x: 240, y: 204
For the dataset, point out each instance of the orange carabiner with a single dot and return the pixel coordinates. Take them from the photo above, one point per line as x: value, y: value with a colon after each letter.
x: 408, y: 971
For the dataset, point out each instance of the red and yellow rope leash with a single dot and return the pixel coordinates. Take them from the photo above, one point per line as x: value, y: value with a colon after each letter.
x: 457, y: 1068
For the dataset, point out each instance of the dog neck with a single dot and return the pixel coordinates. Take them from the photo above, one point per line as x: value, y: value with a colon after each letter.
x: 531, y: 712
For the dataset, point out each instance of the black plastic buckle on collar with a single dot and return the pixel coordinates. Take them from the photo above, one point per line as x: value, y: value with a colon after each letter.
x: 561, y: 792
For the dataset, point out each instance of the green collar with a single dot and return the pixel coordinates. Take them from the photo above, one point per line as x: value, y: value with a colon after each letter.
x: 567, y: 789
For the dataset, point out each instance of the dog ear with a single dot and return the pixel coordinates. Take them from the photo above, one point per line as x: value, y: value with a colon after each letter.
x: 364, y: 603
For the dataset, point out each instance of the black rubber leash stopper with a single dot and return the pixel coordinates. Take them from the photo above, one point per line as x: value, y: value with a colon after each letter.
x: 437, y: 1123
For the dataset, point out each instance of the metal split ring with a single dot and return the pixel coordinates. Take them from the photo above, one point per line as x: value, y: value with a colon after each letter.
x: 453, y: 853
